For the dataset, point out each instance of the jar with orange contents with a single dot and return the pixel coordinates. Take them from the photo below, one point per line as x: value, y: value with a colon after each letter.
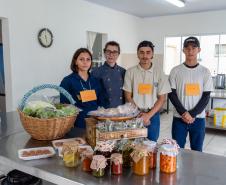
x: 152, y: 153
x: 140, y: 157
x: 86, y: 160
x: 116, y: 164
x: 168, y: 158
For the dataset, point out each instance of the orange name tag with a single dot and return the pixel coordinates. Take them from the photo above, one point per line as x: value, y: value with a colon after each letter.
x: 88, y: 95
x: 145, y: 89
x: 192, y: 89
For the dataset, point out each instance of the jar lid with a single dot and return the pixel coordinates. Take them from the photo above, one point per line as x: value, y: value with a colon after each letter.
x: 169, y: 149
x: 105, y: 146
x: 151, y: 145
x: 139, y: 152
x: 116, y: 158
x: 98, y: 162
x: 87, y: 154
x: 70, y: 146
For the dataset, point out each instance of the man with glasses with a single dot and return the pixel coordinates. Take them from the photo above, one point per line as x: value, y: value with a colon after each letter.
x: 111, y: 76
x: 146, y: 86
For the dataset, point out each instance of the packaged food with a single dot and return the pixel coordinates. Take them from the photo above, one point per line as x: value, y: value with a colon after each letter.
x: 36, y: 153
x: 87, y: 157
x: 152, y: 149
x: 98, y: 165
x: 59, y: 143
x: 140, y: 157
x: 116, y: 164
x: 168, y: 158
x: 70, y: 153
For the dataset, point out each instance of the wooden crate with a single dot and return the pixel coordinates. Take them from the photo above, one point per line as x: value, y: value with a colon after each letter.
x: 93, y: 135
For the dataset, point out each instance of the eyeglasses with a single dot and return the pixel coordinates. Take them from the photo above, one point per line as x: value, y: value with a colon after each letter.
x: 109, y: 52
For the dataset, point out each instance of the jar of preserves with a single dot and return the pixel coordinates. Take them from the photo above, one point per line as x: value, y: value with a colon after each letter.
x: 152, y: 153
x: 86, y: 160
x: 126, y: 150
x: 98, y: 165
x: 140, y: 157
x: 116, y: 164
x: 70, y: 154
x: 168, y: 158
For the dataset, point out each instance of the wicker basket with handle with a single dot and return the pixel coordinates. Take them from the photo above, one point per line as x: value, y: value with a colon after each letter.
x: 46, y: 129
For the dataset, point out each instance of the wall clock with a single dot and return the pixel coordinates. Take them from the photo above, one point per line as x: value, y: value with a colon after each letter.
x: 45, y: 37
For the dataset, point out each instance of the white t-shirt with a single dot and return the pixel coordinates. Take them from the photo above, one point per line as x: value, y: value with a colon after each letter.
x: 154, y: 76
x: 182, y: 76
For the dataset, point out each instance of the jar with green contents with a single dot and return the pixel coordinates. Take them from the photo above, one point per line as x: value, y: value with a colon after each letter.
x: 70, y: 154
x: 98, y: 165
x: 127, y: 149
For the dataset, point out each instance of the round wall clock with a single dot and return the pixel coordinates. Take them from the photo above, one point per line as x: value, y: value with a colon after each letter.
x: 45, y: 37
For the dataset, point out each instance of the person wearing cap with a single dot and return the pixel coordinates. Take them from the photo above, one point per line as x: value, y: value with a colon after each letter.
x: 111, y: 76
x: 146, y: 86
x: 191, y: 84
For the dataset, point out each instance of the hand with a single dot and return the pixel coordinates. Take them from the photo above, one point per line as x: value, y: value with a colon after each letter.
x: 146, y: 118
x: 187, y: 118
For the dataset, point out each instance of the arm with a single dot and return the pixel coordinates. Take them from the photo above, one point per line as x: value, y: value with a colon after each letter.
x: 64, y: 83
x: 128, y: 97
x: 201, y: 104
x: 176, y: 102
x: 157, y: 106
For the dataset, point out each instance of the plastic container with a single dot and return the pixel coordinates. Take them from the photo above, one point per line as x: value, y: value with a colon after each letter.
x: 98, y: 165
x: 219, y: 118
x: 70, y: 154
x: 116, y: 164
x: 86, y: 160
x: 140, y: 160
x: 168, y: 158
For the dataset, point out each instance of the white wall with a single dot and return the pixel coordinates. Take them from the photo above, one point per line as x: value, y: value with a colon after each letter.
x: 155, y: 29
x: 28, y: 64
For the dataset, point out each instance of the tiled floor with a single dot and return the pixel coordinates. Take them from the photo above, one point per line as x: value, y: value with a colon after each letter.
x: 214, y: 143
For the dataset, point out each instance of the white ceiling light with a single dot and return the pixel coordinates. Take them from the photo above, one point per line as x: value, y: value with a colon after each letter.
x: 178, y: 3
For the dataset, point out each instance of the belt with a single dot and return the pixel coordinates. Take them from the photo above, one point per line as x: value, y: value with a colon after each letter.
x: 144, y: 110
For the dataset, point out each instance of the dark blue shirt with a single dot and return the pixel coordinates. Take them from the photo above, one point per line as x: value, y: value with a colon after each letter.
x: 73, y: 83
x: 111, y: 79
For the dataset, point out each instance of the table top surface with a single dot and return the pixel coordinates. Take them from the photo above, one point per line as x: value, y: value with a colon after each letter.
x: 194, y: 168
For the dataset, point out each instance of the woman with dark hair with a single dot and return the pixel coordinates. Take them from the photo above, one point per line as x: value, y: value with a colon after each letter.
x: 84, y: 88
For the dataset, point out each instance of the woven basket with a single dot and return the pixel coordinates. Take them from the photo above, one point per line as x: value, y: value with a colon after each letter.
x: 46, y: 129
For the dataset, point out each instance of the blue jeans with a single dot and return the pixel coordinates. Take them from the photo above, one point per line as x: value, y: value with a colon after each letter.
x: 153, y: 128
x: 196, y: 131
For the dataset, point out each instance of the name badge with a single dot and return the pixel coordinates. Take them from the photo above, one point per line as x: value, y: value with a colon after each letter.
x: 88, y: 95
x: 145, y: 89
x: 192, y: 89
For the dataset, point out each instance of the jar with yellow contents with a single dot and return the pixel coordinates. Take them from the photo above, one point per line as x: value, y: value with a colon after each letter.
x: 70, y: 154
x: 140, y: 157
x: 168, y: 158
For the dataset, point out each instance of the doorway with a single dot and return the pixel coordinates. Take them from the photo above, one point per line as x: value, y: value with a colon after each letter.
x: 2, y: 75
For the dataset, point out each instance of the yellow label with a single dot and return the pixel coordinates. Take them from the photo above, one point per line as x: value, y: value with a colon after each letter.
x: 192, y: 89
x: 145, y: 89
x: 88, y: 95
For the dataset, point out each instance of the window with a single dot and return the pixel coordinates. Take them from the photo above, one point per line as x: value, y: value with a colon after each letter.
x: 212, y: 55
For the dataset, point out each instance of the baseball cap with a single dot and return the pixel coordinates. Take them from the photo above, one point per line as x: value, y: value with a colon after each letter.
x: 145, y: 43
x: 191, y: 40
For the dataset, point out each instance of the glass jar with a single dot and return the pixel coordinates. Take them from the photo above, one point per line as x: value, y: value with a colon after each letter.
x: 140, y: 160
x: 70, y: 154
x: 168, y: 164
x: 127, y: 161
x: 86, y: 160
x: 168, y: 158
x: 98, y: 165
x: 152, y: 153
x: 116, y: 164
x: 98, y: 173
x: 142, y: 166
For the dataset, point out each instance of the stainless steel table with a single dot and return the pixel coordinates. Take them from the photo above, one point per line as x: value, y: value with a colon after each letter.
x: 194, y: 168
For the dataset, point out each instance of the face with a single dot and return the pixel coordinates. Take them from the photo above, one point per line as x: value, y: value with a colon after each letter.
x: 83, y: 62
x: 111, y: 54
x: 191, y: 52
x: 145, y: 54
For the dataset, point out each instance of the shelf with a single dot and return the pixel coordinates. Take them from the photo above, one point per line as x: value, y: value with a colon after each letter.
x: 210, y: 125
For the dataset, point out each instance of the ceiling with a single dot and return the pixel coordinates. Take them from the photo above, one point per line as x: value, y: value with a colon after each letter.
x: 153, y: 8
